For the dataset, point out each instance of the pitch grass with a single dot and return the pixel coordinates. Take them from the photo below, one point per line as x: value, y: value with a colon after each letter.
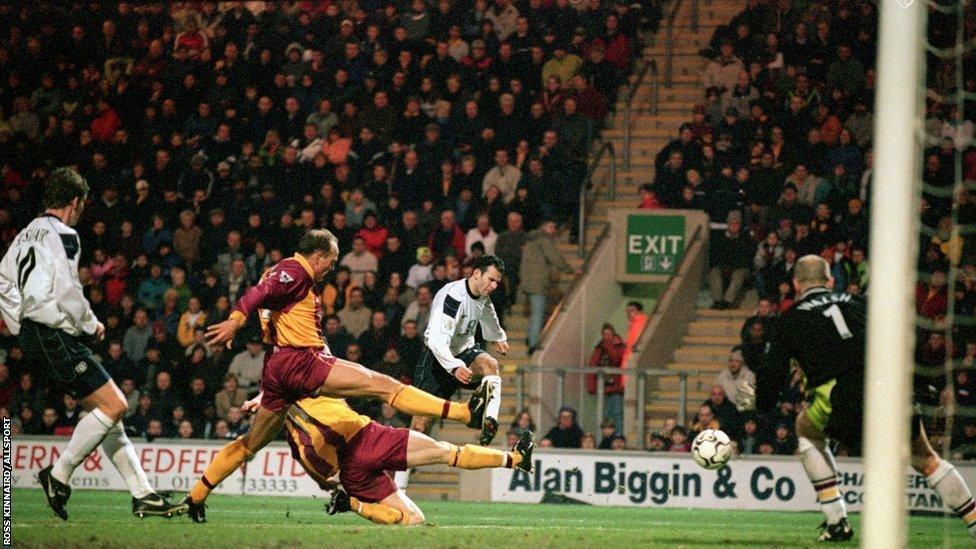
x: 104, y: 519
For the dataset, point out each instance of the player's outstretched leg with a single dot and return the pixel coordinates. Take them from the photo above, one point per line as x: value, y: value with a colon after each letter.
x: 348, y: 379
x: 818, y: 462
x: 422, y: 424
x: 106, y: 407
x: 423, y: 450
x: 946, y: 481
x: 264, y: 428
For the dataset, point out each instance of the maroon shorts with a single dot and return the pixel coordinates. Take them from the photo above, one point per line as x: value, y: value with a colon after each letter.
x: 374, y: 450
x: 291, y: 374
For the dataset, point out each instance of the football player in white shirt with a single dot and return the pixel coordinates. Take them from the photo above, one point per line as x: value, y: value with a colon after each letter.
x: 42, y: 303
x: 453, y: 359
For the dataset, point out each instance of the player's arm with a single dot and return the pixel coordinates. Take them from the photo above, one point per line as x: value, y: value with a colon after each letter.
x: 10, y: 298
x: 773, y: 373
x: 492, y: 329
x: 283, y: 284
x: 67, y: 286
x: 444, y: 312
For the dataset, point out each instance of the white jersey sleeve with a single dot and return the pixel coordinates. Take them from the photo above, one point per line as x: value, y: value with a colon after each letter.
x: 491, y: 328
x: 441, y: 327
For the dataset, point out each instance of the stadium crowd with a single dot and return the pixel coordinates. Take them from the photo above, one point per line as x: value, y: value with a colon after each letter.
x: 213, y: 135
x: 425, y: 134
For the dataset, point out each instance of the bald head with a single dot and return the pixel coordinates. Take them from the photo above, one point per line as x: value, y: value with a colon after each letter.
x: 811, y: 271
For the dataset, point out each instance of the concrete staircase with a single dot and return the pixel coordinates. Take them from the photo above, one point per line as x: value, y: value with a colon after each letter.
x: 704, y: 350
x: 649, y: 134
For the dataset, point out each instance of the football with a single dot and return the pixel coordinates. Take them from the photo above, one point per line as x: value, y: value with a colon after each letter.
x: 711, y: 449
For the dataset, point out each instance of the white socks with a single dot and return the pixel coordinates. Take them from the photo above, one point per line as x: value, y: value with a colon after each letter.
x: 822, y: 472
x: 87, y: 436
x: 401, y: 479
x: 954, y: 493
x: 495, y: 400
x: 117, y: 446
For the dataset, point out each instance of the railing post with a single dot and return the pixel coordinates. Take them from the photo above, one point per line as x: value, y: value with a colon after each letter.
x: 613, y: 172
x: 694, y: 16
x: 600, y: 387
x: 641, y: 396
x: 654, y: 92
x: 581, y: 235
x: 627, y: 133
x: 682, y: 397
x: 561, y: 388
x: 520, y: 390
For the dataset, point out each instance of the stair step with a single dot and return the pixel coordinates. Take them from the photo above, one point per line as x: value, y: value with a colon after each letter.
x: 706, y: 354
x: 699, y: 382
x: 703, y: 367
x: 696, y: 395
x: 723, y: 340
x: 713, y: 327
x: 736, y: 314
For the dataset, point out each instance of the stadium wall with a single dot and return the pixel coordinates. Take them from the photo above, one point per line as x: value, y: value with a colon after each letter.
x: 761, y: 483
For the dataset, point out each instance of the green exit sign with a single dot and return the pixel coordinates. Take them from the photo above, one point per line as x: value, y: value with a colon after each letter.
x: 655, y: 243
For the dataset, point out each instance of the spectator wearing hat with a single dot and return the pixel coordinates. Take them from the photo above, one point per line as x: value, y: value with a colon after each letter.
x: 563, y: 65
x: 730, y: 254
x: 735, y: 380
x: 422, y: 271
x: 247, y: 365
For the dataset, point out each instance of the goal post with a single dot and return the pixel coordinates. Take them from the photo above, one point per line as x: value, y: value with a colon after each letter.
x: 891, y: 307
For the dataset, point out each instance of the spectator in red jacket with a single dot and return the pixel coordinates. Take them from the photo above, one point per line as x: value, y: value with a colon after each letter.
x: 447, y: 238
x: 932, y: 298
x: 609, y: 353
x: 373, y: 234
x: 105, y: 123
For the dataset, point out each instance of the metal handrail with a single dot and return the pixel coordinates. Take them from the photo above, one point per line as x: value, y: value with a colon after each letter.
x: 649, y: 65
x: 601, y: 374
x: 669, y: 44
x: 604, y: 147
